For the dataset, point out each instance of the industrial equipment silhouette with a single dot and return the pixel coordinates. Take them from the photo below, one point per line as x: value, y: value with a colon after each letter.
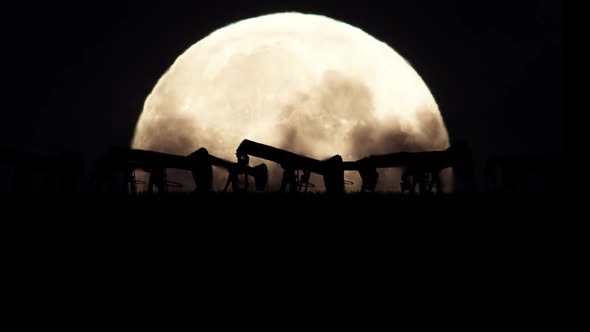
x: 126, y: 161
x: 422, y: 169
x: 292, y: 164
x: 116, y: 172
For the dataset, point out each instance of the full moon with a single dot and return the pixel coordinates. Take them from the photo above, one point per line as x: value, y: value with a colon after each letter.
x: 305, y: 83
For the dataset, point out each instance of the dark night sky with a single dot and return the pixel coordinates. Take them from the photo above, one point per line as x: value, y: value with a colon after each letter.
x: 76, y: 75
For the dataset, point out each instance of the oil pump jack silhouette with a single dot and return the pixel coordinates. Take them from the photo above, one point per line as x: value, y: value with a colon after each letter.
x: 422, y: 169
x: 292, y: 164
x: 200, y: 162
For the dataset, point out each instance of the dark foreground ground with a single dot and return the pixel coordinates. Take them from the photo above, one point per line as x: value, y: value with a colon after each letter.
x: 388, y: 223
x: 484, y: 246
x: 470, y: 209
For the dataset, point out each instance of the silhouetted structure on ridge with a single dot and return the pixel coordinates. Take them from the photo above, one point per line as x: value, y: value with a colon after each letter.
x: 258, y: 172
x: 331, y: 169
x: 421, y: 169
x: 200, y: 162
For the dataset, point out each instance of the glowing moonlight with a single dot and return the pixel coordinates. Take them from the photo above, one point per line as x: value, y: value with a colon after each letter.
x: 305, y: 83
